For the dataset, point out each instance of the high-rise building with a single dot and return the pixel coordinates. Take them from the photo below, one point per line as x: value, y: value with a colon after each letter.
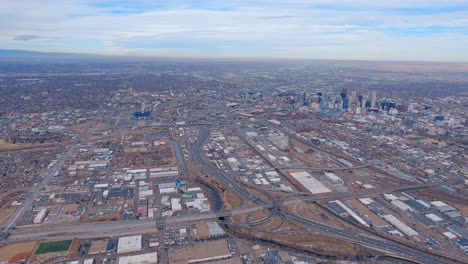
x: 373, y: 99
x: 301, y: 99
x: 241, y: 95
x: 345, y: 103
x: 339, y: 103
x: 363, y: 105
x: 387, y: 105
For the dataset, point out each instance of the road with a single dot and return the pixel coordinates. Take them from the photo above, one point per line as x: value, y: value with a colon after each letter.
x: 240, y: 188
x: 88, y: 230
x: 230, y: 183
x: 180, y: 158
x: 329, y: 168
x: 36, y: 191
x: 127, y: 227
x: 81, y: 230
x: 389, y: 247
x: 119, y: 228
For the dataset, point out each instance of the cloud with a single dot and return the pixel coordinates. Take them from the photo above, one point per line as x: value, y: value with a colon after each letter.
x: 278, y: 17
x: 26, y: 37
x: 362, y: 29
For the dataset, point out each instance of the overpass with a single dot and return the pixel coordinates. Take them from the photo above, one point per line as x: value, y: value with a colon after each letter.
x: 102, y: 229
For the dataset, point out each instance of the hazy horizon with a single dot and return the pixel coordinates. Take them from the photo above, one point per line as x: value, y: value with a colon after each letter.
x: 422, y: 31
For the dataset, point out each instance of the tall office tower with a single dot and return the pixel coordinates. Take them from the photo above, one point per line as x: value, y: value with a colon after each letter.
x: 301, y: 99
x: 360, y: 98
x: 323, y: 101
x: 373, y: 99
x: 339, y: 103
x: 353, y: 94
x: 346, y: 103
x: 363, y: 106
x: 241, y: 95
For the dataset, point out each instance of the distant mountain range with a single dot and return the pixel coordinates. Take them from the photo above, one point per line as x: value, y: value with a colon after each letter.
x: 7, y: 52
x: 20, y: 55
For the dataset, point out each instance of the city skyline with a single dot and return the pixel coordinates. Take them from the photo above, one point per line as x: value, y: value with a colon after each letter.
x: 349, y: 30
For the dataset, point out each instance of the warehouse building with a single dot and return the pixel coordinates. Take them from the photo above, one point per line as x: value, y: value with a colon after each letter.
x: 400, y: 225
x: 41, y: 216
x: 333, y: 178
x: 129, y: 244
x: 147, y: 258
x: 201, y: 252
x: 310, y: 183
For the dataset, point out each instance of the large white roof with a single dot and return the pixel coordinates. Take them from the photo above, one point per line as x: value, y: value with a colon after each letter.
x: 129, y: 244
x: 139, y: 259
x: 309, y: 182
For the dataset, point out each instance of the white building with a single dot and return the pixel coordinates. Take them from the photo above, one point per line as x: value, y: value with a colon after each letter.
x: 333, y: 178
x: 129, y: 244
x: 175, y: 204
x: 41, y: 216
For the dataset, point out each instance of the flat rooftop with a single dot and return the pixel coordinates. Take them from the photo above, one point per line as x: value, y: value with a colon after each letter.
x: 212, y: 250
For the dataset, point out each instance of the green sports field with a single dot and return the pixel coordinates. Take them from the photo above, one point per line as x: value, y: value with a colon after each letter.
x: 55, y: 246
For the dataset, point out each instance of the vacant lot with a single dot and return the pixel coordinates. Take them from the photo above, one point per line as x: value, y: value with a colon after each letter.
x: 4, y: 214
x: 12, y: 253
x: 56, y: 246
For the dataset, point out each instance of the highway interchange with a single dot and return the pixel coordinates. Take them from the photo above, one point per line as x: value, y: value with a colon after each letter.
x: 273, y: 205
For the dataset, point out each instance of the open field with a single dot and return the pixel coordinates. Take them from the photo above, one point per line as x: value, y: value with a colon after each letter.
x: 314, y: 243
x: 16, y: 252
x: 4, y: 214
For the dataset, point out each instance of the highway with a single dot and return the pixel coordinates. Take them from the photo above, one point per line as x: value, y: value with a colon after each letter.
x: 98, y: 229
x: 328, y: 168
x: 387, y: 246
x: 123, y: 227
x: 179, y: 157
x: 192, y: 124
x: 382, y: 244
x: 88, y: 230
x: 128, y: 227
x: 238, y: 187
x: 38, y: 231
x: 230, y: 183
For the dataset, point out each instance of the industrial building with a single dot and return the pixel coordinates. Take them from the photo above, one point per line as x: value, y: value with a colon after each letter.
x: 400, y: 225
x: 201, y: 252
x: 207, y: 230
x: 129, y: 244
x: 309, y: 182
x: 333, y: 178
x: 343, y: 211
x: 148, y: 258
x: 41, y: 216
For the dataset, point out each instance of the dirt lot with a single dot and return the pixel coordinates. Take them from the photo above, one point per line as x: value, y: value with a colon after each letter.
x: 9, y: 146
x: 230, y: 199
x: 313, y: 212
x: 4, y: 214
x: 317, y: 244
x: 463, y: 208
x: 16, y: 252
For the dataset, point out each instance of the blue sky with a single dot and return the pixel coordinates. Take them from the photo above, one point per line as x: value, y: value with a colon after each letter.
x: 417, y: 30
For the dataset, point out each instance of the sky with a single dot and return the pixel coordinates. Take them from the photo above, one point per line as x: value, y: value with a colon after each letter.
x: 409, y: 30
